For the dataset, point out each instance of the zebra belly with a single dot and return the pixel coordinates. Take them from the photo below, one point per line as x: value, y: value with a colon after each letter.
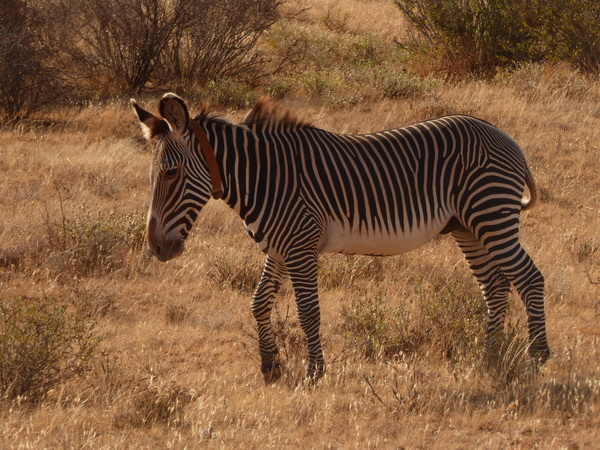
x: 340, y: 239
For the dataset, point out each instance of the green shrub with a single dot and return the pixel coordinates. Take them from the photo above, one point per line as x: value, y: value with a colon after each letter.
x: 454, y: 313
x: 28, y: 82
x: 230, y: 94
x: 43, y: 342
x: 482, y: 35
x: 446, y: 317
x: 570, y: 31
x: 399, y: 84
x: 376, y: 331
x: 473, y: 35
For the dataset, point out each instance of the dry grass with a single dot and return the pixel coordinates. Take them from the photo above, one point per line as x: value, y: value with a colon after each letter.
x: 178, y: 364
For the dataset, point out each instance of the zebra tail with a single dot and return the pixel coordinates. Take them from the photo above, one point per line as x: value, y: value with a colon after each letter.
x: 533, y: 192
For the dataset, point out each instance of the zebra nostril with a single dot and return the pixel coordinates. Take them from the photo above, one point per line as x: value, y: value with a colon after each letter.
x: 154, y: 249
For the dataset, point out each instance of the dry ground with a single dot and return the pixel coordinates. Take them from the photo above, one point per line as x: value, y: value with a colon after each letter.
x: 177, y: 365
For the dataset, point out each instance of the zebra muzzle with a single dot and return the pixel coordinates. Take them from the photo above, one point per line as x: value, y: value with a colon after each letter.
x: 166, y: 250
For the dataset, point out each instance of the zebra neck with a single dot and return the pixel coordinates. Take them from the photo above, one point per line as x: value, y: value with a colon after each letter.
x: 238, y: 153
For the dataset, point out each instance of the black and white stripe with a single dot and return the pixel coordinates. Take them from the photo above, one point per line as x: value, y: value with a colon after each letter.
x: 302, y: 191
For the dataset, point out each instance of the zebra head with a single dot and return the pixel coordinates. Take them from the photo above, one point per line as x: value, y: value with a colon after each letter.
x: 180, y: 182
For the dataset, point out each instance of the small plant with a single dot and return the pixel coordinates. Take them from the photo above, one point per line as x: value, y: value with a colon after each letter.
x: 455, y: 314
x: 87, y: 243
x: 153, y: 403
x: 43, y: 342
x: 377, y: 331
x: 230, y: 94
x: 234, y: 271
x: 342, y: 271
x: 398, y: 85
x: 448, y: 317
x: 176, y: 313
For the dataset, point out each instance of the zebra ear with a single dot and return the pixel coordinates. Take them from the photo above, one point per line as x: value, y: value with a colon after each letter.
x: 151, y: 125
x: 147, y: 120
x: 174, y: 110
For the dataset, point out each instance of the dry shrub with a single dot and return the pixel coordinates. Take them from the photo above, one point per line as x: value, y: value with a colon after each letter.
x: 540, y: 82
x: 28, y: 80
x: 176, y: 313
x: 154, y: 403
x: 513, y: 389
x: 290, y: 340
x: 377, y: 331
x: 43, y: 343
x: 219, y: 40
x: 81, y: 243
x: 140, y: 398
x: 454, y: 315
x: 235, y: 271
x: 510, y: 365
x: 447, y: 317
x: 342, y: 271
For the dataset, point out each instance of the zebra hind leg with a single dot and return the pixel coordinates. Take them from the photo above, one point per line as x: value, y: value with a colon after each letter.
x: 262, y: 305
x: 494, y: 286
x: 518, y: 267
x: 529, y: 282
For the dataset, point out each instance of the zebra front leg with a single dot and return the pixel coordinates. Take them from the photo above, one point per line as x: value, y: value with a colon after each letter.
x: 302, y: 269
x: 262, y: 305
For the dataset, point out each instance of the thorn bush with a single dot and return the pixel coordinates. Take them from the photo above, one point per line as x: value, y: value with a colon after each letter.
x: 43, y: 342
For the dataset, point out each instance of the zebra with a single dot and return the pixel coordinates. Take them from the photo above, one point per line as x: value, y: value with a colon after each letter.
x: 302, y: 191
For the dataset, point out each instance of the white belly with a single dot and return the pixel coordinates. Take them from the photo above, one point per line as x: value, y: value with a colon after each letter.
x: 339, y: 239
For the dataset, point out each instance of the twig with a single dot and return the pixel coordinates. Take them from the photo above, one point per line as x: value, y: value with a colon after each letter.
x: 374, y: 392
x: 590, y: 278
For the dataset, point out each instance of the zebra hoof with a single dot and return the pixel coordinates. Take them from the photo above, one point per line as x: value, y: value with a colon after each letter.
x: 272, y: 372
x: 540, y: 355
x: 313, y: 375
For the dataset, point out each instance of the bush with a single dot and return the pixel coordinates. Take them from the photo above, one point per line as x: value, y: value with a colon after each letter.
x: 571, y: 32
x: 235, y: 271
x: 377, y: 331
x: 27, y: 81
x: 154, y: 403
x: 396, y: 84
x: 230, y: 94
x: 447, y: 317
x: 85, y: 244
x: 119, y: 43
x: 473, y: 35
x: 43, y: 342
x: 125, y: 46
x: 455, y: 315
x: 218, y: 41
x: 481, y: 35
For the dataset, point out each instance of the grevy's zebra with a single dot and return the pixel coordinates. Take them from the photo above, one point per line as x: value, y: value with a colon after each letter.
x: 302, y: 191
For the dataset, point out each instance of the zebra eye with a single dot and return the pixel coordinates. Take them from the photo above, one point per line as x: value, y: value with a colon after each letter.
x: 171, y: 173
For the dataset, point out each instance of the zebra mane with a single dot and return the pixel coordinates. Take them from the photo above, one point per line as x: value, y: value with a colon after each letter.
x: 267, y: 113
x: 206, y: 114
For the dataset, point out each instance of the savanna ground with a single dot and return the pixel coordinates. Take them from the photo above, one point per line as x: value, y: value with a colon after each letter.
x: 176, y: 364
